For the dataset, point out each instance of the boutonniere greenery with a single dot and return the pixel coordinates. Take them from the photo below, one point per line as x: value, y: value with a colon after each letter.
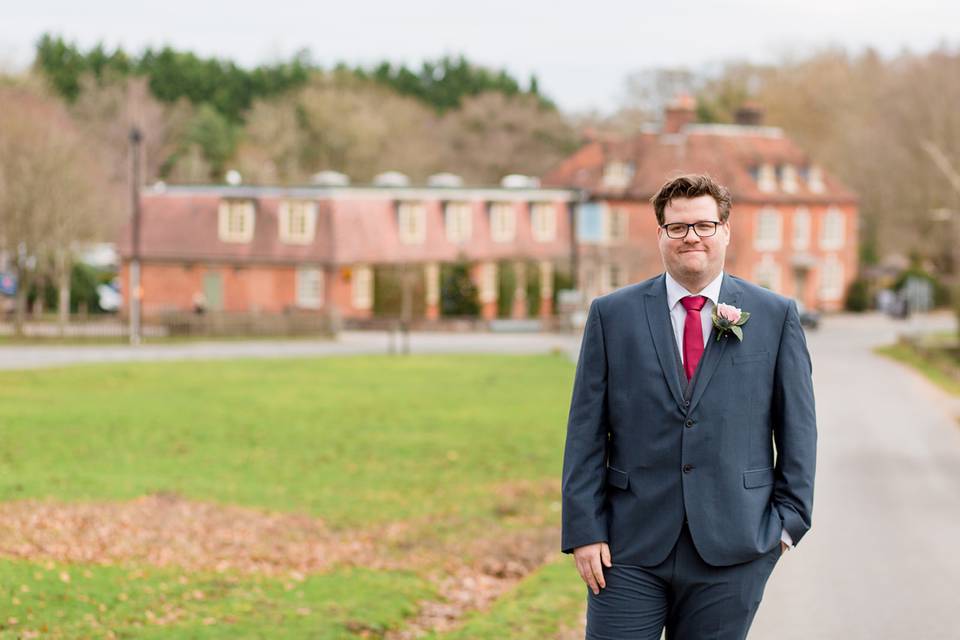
x: 729, y: 319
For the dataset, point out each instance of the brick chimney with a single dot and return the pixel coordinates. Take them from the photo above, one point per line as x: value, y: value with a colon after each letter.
x: 749, y: 114
x: 679, y: 113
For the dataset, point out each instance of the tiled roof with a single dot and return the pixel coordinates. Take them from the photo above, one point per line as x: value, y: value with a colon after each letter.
x: 354, y: 224
x: 185, y: 227
x: 729, y: 153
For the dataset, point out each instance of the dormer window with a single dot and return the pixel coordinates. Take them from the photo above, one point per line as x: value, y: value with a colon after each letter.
x: 815, y: 179
x: 617, y: 174
x: 767, y: 178
x: 503, y: 222
x: 411, y: 222
x: 543, y: 221
x: 788, y: 178
x: 298, y: 220
x: 458, y: 218
x: 236, y: 220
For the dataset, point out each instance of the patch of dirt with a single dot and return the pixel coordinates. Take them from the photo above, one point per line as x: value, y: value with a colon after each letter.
x: 470, y: 568
x: 501, y: 561
x: 166, y: 530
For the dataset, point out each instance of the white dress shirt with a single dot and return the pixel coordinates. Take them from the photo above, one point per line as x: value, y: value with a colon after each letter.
x: 678, y: 316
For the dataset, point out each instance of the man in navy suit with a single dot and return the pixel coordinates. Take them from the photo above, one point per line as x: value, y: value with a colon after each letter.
x: 674, y: 506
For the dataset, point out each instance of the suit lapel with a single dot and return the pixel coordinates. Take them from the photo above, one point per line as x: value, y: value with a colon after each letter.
x: 729, y: 294
x: 661, y: 332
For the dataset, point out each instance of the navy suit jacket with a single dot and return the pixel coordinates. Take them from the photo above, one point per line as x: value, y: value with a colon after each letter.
x: 644, y: 451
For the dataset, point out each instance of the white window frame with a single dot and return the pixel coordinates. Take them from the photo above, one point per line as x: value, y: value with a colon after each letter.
x: 616, y: 224
x: 767, y: 178
x: 815, y: 179
x: 788, y: 178
x: 301, y: 211
x: 543, y: 221
x: 503, y: 222
x: 411, y: 222
x: 801, y: 229
x: 236, y: 220
x: 617, y: 174
x: 613, y: 276
x: 831, y: 279
x: 832, y: 229
x: 769, y: 231
x: 309, y: 287
x: 767, y: 272
x: 361, y: 285
x: 458, y: 221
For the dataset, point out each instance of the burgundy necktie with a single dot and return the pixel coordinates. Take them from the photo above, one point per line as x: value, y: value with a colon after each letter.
x: 692, y: 333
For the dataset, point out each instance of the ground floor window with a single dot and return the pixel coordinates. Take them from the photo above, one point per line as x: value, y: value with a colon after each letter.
x: 309, y: 288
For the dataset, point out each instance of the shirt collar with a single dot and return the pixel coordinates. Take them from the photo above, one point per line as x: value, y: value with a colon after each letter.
x: 675, y: 290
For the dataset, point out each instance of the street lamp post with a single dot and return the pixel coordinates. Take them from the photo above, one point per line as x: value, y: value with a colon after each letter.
x: 134, y: 289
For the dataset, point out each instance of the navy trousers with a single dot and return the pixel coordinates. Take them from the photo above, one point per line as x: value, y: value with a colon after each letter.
x: 692, y: 599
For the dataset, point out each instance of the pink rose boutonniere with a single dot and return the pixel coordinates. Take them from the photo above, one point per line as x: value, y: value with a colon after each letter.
x: 728, y: 319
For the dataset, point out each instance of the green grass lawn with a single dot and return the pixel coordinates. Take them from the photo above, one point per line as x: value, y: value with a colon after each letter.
x: 934, y: 360
x: 357, y: 441
x: 70, y: 601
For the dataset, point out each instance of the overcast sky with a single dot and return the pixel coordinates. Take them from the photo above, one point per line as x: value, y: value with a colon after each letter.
x: 581, y: 51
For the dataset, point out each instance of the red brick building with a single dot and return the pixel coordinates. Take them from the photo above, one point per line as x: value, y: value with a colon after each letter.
x: 793, y: 226
x: 273, y: 249
x: 321, y: 248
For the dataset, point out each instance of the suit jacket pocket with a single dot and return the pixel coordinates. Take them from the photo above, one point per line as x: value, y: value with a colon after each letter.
x: 754, y: 356
x: 757, y: 478
x: 617, y: 478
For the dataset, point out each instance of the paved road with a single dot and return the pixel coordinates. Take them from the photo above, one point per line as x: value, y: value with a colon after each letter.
x: 883, y: 557
x: 347, y: 343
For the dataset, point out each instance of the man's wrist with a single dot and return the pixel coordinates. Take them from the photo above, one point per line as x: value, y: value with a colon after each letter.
x: 785, y: 538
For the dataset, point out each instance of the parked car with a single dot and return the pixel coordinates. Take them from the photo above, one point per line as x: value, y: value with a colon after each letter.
x: 109, y: 298
x: 809, y: 319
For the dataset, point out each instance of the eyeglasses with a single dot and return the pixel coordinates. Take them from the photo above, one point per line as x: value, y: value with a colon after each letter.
x: 679, y: 230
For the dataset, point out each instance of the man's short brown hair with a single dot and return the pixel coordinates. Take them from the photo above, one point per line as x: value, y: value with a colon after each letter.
x: 691, y: 186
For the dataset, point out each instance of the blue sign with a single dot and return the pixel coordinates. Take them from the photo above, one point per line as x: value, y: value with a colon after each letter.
x: 8, y: 284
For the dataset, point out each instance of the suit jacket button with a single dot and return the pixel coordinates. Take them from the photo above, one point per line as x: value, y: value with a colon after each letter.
x: 690, y: 423
x: 686, y: 403
x: 687, y: 468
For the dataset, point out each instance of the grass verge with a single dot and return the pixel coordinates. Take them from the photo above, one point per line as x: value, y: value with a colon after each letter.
x: 938, y: 364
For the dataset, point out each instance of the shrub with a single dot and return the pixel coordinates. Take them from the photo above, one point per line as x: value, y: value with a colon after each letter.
x: 858, y: 296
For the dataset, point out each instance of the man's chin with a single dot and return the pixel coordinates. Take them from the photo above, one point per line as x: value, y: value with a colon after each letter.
x: 692, y: 267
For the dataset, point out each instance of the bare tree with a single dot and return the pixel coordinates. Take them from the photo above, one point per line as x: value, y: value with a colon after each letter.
x: 49, y: 182
x: 105, y: 111
x: 493, y: 135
